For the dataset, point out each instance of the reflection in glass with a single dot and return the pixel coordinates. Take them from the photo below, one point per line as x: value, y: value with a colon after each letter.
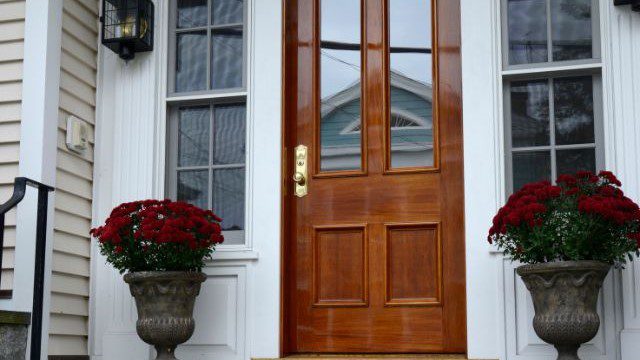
x: 193, y: 136
x: 411, y: 95
x: 191, y: 13
x: 191, y: 61
x: 228, y: 197
x: 529, y: 167
x: 571, y: 161
x: 571, y: 29
x: 527, y: 22
x: 530, y: 113
x: 227, y: 61
x: 193, y: 187
x: 225, y: 12
x: 229, y: 128
x: 340, y: 85
x: 573, y: 98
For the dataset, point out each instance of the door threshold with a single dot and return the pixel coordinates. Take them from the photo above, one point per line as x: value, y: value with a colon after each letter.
x: 377, y: 356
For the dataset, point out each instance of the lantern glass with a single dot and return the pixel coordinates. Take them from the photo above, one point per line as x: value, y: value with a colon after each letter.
x: 127, y: 26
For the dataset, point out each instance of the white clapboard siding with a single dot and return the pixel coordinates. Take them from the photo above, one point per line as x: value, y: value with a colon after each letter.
x: 11, y: 55
x: 68, y: 329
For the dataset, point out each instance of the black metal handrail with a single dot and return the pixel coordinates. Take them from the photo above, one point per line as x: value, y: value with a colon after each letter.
x: 19, y: 192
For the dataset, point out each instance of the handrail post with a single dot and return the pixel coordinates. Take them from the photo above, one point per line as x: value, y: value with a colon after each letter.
x: 38, y: 278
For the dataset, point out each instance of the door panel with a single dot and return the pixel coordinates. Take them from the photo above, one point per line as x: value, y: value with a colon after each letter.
x: 374, y: 253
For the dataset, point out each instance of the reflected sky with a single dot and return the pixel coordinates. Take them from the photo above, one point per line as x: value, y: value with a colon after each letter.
x: 341, y: 23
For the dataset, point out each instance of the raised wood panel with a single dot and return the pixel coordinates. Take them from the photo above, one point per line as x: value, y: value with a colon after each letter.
x: 414, y: 264
x: 340, y: 266
x: 221, y: 316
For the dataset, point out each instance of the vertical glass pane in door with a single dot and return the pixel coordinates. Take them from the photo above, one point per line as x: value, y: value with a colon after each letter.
x: 527, y: 31
x: 340, y: 85
x: 411, y: 84
x: 571, y: 29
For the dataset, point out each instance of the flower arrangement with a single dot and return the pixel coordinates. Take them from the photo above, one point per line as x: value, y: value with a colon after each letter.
x: 584, y: 217
x: 153, y: 235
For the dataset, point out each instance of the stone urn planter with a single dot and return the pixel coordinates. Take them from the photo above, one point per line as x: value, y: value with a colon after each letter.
x: 565, y: 295
x: 165, y: 301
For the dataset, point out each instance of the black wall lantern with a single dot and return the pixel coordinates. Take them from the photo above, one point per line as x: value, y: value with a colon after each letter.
x: 127, y: 26
x: 635, y: 4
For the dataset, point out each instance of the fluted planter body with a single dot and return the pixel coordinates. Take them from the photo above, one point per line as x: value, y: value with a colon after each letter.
x: 565, y: 296
x: 165, y: 301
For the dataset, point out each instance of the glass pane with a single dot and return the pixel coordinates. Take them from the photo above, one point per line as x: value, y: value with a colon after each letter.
x: 192, y: 13
x: 227, y: 61
x: 193, y: 136
x: 227, y: 12
x: 571, y: 29
x: 411, y: 82
x: 527, y: 21
x: 193, y: 187
x: 340, y: 85
x: 530, y: 167
x: 191, y: 61
x: 530, y: 113
x: 229, y: 124
x: 571, y: 161
x: 228, y: 197
x: 573, y: 98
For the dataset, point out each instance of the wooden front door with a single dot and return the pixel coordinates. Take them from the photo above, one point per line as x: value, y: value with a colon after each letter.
x: 374, y: 252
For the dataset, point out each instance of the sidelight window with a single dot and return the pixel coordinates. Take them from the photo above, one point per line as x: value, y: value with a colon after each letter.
x: 207, y: 122
x: 552, y: 89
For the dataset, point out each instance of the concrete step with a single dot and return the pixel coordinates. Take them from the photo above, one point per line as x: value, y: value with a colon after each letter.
x: 14, y: 329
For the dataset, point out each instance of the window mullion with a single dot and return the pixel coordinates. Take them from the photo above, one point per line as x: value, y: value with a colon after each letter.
x: 549, y: 34
x: 552, y: 130
x: 209, y: 46
x: 211, y: 160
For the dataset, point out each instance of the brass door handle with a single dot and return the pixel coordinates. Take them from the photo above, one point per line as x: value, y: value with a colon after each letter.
x: 300, y: 175
x: 299, y: 179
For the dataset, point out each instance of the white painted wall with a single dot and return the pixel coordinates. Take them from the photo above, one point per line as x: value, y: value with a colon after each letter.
x: 241, y: 297
x: 238, y: 310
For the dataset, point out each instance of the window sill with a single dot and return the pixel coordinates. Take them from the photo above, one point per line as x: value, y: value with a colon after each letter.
x: 231, y: 255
